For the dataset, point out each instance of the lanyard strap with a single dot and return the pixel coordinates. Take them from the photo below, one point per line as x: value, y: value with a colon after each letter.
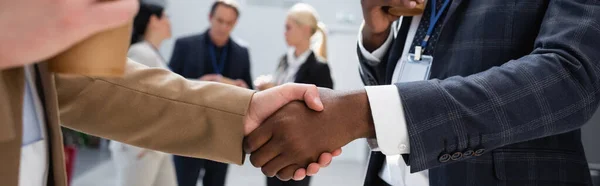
x: 218, y: 67
x: 435, y: 16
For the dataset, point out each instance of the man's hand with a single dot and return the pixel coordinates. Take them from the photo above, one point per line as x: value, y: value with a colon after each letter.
x: 34, y: 30
x: 295, y: 136
x: 378, y: 20
x: 265, y: 103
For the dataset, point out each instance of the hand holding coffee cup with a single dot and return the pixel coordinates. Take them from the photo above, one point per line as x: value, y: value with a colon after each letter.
x: 418, y: 9
x: 83, y: 58
x: 103, y: 53
x: 380, y: 14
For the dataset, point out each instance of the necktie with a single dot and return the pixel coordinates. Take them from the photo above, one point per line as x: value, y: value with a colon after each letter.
x: 423, y: 26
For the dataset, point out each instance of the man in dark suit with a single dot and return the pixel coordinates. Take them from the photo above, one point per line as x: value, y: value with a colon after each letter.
x: 510, y: 84
x: 211, y: 56
x: 214, y: 54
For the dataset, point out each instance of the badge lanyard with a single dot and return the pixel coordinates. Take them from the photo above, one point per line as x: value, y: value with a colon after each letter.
x: 418, y: 66
x: 217, y: 67
x: 434, y: 18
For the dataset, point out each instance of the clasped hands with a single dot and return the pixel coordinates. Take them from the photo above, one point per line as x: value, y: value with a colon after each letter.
x: 290, y: 139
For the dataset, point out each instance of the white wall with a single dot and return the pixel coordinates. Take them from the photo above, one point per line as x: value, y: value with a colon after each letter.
x: 262, y: 30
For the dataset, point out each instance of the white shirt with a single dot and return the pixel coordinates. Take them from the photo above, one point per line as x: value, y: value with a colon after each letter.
x: 390, y: 123
x: 288, y: 75
x: 144, y: 53
x: 33, y: 170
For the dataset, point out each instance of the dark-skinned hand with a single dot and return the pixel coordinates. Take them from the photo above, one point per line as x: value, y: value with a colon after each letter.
x: 295, y: 136
x: 378, y: 20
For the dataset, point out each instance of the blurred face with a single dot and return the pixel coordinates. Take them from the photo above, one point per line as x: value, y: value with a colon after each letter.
x: 295, y: 33
x: 222, y: 22
x: 161, y: 25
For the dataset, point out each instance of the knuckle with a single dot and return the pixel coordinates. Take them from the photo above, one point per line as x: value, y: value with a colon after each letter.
x: 254, y: 161
x: 250, y: 145
x: 268, y: 172
x: 283, y: 177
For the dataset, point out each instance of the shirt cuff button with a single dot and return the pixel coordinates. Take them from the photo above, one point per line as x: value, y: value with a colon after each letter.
x: 402, y: 147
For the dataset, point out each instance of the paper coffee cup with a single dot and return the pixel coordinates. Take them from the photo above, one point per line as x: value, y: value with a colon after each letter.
x: 103, y: 54
x: 403, y: 11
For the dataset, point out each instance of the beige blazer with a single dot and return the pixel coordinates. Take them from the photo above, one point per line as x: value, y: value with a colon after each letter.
x: 149, y: 108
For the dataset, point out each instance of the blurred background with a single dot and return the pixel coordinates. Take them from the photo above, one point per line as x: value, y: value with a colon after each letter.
x: 261, y: 27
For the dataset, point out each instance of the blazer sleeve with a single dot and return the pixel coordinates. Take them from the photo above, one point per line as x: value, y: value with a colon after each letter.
x: 159, y: 110
x: 553, y: 90
x: 177, y: 58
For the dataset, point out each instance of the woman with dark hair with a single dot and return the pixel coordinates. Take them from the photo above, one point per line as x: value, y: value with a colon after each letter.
x: 136, y: 166
x: 150, y: 28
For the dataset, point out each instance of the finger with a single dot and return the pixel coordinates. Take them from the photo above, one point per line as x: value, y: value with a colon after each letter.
x: 110, y: 14
x: 410, y: 3
x: 257, y: 138
x: 308, y: 93
x: 288, y: 172
x: 336, y: 152
x: 313, y: 169
x: 395, y: 3
x: 299, y: 175
x: 275, y: 165
x: 325, y: 159
x: 264, y: 155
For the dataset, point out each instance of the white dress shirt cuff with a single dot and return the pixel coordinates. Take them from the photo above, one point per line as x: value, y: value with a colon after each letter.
x: 376, y: 56
x: 388, y: 116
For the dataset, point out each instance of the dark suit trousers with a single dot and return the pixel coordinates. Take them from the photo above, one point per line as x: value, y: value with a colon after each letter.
x: 274, y: 181
x: 188, y: 170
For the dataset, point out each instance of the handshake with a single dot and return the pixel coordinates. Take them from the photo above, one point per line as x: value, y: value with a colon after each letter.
x: 285, y: 135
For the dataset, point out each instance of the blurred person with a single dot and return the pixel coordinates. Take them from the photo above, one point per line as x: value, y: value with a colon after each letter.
x: 137, y: 166
x: 214, y: 55
x: 211, y: 56
x: 301, y: 64
x: 150, y: 108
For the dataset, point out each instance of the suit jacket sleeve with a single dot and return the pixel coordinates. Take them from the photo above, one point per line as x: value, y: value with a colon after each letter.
x: 157, y: 109
x: 368, y: 61
x: 177, y: 58
x: 552, y: 90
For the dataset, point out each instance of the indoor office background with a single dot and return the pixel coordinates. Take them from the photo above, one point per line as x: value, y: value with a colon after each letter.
x: 261, y: 28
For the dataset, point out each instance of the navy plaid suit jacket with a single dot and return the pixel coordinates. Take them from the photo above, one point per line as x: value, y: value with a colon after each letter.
x: 512, y: 83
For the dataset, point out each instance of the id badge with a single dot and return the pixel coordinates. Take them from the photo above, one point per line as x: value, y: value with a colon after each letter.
x: 416, y: 70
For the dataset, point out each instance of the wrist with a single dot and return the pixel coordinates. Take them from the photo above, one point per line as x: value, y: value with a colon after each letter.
x: 360, y: 119
x: 373, y: 40
x: 250, y: 121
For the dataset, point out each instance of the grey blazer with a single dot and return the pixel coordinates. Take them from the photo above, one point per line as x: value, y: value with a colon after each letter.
x: 512, y: 83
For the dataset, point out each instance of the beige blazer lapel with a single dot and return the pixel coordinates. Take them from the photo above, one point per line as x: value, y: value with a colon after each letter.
x: 11, y: 107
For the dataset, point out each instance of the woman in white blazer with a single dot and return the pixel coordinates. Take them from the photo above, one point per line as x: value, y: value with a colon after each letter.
x: 136, y: 166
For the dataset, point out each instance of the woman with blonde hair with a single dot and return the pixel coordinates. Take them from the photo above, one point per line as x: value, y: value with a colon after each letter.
x: 304, y: 62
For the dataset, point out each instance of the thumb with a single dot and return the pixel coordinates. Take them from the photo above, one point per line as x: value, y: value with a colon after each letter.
x: 306, y: 92
x: 280, y: 96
